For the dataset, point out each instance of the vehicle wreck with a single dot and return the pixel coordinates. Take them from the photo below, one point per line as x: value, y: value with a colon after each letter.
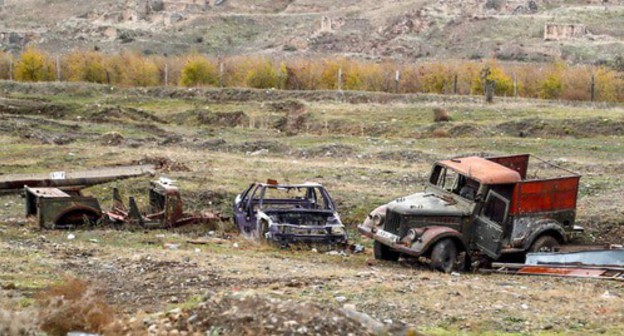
x: 165, y: 211
x: 289, y: 213
x: 67, y: 209
x: 477, y: 206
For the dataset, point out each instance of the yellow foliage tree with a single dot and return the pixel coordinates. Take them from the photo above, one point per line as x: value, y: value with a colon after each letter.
x: 142, y: 71
x: 198, y: 71
x: 491, y: 71
x: 34, y: 66
x: 89, y: 66
x: 552, y: 85
x: 264, y: 75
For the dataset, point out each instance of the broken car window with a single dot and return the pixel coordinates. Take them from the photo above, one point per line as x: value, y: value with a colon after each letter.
x: 495, y: 209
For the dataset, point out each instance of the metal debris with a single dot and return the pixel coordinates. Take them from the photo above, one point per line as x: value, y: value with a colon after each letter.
x: 71, y: 181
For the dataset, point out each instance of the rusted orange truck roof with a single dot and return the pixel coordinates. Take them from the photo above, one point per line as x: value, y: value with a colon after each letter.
x: 482, y: 170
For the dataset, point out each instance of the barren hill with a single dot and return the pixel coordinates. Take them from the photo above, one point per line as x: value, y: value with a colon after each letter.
x: 585, y: 31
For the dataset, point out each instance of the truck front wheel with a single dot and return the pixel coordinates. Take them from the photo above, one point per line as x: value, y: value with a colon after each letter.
x: 545, y: 243
x: 383, y: 252
x: 444, y: 256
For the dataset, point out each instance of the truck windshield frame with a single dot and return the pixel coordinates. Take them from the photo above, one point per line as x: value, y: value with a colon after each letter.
x: 453, y: 182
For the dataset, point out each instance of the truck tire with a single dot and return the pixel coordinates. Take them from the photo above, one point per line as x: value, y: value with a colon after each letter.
x: 444, y: 256
x: 383, y: 252
x: 546, y: 243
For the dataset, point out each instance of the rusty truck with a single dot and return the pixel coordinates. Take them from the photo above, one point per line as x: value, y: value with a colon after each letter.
x: 475, y: 206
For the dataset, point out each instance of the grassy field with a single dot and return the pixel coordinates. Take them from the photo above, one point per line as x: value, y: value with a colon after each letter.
x: 366, y: 148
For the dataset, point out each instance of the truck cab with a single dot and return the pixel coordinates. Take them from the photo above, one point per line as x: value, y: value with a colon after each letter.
x: 476, y: 205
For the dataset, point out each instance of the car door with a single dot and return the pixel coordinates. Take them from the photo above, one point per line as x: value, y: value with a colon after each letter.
x: 488, y: 226
x: 240, y: 208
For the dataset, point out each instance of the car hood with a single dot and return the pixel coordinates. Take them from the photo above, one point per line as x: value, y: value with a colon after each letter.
x: 430, y: 204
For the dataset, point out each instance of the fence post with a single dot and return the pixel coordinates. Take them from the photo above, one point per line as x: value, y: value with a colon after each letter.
x: 397, y: 80
x: 11, y: 70
x: 166, y: 74
x: 515, y: 85
x: 340, y: 79
x: 221, y: 72
x: 592, y: 88
x: 455, y: 85
x: 58, y: 68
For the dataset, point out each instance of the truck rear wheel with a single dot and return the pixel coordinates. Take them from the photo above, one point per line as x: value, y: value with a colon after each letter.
x: 383, y: 252
x: 444, y: 256
x: 545, y: 243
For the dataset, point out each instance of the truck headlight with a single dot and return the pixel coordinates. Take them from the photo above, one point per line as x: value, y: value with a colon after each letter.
x: 378, y: 219
x: 338, y: 230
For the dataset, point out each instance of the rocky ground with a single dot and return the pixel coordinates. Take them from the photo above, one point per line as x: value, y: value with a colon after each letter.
x: 366, y: 148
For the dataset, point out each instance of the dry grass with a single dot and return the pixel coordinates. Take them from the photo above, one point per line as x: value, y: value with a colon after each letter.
x: 73, y: 305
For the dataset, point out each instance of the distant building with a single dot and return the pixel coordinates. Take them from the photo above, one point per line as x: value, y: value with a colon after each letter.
x: 556, y: 32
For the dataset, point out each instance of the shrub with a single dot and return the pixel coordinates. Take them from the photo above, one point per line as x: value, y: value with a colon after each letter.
x: 552, y: 85
x: 73, y: 305
x: 265, y: 76
x: 199, y: 71
x: 34, y: 66
x: 89, y: 66
x: 5, y: 65
x: 141, y: 71
x: 492, y: 72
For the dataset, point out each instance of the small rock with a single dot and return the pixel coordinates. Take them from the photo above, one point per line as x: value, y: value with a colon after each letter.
x: 455, y: 274
x: 235, y: 245
x: 174, y: 299
x: 340, y: 299
x: 71, y: 236
x: 314, y: 250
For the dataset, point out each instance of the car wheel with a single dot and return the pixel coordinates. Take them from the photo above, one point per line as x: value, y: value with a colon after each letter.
x: 383, y: 252
x: 543, y: 244
x: 444, y: 256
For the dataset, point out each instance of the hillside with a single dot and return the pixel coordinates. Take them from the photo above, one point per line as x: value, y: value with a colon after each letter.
x: 400, y: 29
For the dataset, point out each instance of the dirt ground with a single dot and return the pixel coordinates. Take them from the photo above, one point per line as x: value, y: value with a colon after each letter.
x: 199, y: 279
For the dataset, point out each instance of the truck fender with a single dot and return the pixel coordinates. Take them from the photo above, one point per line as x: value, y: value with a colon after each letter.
x: 368, y: 221
x: 546, y: 226
x: 428, y: 236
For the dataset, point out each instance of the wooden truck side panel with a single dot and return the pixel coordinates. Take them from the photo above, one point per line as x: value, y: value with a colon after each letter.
x: 541, y: 196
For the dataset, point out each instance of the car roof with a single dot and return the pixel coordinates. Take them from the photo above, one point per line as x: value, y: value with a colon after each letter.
x: 482, y: 170
x: 301, y: 185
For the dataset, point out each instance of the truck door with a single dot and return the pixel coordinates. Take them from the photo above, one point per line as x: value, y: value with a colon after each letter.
x: 488, y: 228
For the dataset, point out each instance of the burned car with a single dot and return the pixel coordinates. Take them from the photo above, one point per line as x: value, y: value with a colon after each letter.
x: 289, y: 213
x: 478, y: 206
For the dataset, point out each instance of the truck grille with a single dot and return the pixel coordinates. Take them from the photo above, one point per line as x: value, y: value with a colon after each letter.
x: 393, y: 222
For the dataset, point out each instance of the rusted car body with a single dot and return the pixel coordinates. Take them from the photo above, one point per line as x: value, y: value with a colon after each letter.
x: 286, y: 214
x: 166, y: 209
x: 477, y: 205
x: 57, y: 209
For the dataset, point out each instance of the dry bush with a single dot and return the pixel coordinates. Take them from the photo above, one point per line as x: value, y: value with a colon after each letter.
x: 85, y: 66
x: 440, y: 133
x: 435, y: 77
x: 142, y: 71
x: 441, y: 115
x: 303, y: 75
x: 576, y: 83
x: 34, y: 66
x: 18, y: 323
x: 551, y: 87
x: 73, y: 306
x: 609, y: 84
x: 5, y: 65
x: 265, y: 75
x: 199, y: 71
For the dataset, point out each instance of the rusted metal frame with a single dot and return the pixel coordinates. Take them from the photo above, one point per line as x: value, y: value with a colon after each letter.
x: 13, y: 183
x: 575, y: 271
